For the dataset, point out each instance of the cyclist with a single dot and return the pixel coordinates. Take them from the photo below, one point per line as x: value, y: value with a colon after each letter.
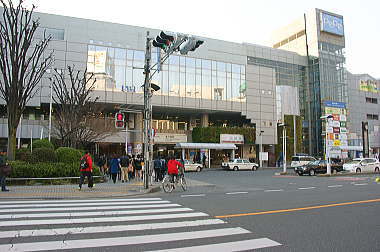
x: 173, y: 168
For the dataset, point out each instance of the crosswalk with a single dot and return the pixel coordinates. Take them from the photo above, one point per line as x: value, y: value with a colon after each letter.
x: 138, y: 224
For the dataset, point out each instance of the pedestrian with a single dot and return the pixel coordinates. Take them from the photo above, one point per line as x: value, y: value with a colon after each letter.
x: 130, y: 168
x: 114, y: 167
x: 138, y: 167
x: 204, y: 160
x: 5, y: 170
x: 86, y: 170
x: 102, y: 164
x: 124, y: 162
x: 157, y: 169
x: 173, y: 168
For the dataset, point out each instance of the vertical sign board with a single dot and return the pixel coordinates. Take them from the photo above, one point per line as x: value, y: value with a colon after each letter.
x: 336, y: 133
x: 365, y: 139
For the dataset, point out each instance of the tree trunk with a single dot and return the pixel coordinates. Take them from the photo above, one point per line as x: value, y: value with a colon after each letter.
x: 11, y: 141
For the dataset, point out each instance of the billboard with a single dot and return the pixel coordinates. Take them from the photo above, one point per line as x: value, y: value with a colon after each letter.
x: 369, y: 86
x: 332, y: 24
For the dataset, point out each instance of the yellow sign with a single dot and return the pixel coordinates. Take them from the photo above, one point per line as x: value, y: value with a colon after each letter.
x: 336, y: 142
x: 369, y: 86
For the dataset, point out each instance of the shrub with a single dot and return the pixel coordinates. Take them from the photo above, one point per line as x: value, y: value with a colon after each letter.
x: 22, y: 169
x: 43, y: 143
x: 23, y: 154
x: 68, y: 155
x: 44, y: 155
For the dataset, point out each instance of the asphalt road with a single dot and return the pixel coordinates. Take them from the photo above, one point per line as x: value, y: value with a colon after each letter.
x: 220, y: 211
x: 325, y: 224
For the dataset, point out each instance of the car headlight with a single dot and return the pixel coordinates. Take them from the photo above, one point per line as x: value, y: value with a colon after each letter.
x: 304, y: 168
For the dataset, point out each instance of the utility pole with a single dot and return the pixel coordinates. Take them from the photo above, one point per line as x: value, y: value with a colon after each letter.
x: 147, y: 111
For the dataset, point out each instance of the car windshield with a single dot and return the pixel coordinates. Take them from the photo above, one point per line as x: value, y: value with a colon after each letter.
x: 354, y: 162
x: 295, y: 159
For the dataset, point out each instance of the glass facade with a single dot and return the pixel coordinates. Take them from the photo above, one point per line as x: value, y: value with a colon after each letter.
x: 118, y: 69
x: 294, y: 75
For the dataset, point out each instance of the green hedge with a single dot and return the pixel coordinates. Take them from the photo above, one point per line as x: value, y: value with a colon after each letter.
x: 22, y: 169
x: 212, y: 134
x: 42, y: 143
x: 42, y: 155
x: 68, y: 155
x: 23, y: 154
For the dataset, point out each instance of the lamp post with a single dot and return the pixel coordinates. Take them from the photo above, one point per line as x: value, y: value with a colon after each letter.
x: 261, y: 148
x: 283, y: 145
x: 327, y: 150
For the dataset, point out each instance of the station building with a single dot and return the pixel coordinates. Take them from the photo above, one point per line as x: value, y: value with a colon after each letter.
x: 240, y: 90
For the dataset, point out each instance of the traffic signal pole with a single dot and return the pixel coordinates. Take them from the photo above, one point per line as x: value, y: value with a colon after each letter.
x: 147, y: 112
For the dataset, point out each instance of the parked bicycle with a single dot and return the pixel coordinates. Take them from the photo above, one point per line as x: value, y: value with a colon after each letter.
x: 169, y: 185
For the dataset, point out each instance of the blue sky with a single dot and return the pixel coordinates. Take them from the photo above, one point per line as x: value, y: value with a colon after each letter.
x: 236, y: 20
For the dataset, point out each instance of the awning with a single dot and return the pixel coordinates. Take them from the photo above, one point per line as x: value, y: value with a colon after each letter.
x: 211, y: 146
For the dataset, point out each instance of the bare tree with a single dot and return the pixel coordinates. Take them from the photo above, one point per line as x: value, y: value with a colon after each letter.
x: 22, y: 63
x: 78, y: 115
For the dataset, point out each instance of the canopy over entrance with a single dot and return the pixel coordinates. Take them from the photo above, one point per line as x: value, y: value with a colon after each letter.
x: 209, y: 146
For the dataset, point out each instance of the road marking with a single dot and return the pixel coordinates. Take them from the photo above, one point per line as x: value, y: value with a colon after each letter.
x: 101, y: 213
x: 228, y: 246
x: 84, y: 204
x: 230, y: 193
x: 362, y: 184
x: 105, y: 229
x: 274, y: 190
x: 51, y: 209
x: 193, y: 195
x: 299, y: 209
x: 100, y: 219
x: 335, y: 185
x: 80, y: 201
x: 306, y: 188
x: 121, y: 241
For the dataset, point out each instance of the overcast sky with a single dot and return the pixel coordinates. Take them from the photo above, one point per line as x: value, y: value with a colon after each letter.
x: 239, y: 21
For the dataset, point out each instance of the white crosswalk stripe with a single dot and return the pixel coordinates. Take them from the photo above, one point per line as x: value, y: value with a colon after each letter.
x: 136, y: 223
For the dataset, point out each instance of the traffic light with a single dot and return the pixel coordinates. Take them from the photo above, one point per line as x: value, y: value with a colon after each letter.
x: 163, y: 41
x: 191, y: 44
x: 119, y: 120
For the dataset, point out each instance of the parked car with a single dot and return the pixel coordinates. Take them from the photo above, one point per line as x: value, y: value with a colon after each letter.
x: 301, y: 160
x: 318, y: 166
x: 190, y: 166
x: 362, y: 165
x: 240, y: 164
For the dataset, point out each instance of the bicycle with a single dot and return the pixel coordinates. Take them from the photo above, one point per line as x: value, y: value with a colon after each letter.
x: 169, y: 186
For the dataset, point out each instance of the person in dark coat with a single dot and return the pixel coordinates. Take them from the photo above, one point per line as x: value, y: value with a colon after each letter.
x: 114, y: 167
x: 5, y: 170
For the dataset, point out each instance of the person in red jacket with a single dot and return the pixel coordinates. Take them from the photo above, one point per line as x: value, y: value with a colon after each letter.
x: 86, y: 170
x: 173, y: 168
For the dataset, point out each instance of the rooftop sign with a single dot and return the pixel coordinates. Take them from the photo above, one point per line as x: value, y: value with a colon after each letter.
x: 332, y: 24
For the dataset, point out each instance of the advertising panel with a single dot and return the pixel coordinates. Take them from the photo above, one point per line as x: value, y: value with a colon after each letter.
x: 169, y: 138
x: 369, y: 86
x: 338, y: 137
x: 332, y: 24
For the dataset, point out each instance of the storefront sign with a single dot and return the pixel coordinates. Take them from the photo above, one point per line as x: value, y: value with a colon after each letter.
x: 336, y: 130
x: 170, y: 138
x: 332, y: 24
x: 232, y: 138
x: 335, y: 104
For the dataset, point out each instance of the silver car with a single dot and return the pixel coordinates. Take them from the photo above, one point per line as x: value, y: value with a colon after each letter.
x: 240, y: 164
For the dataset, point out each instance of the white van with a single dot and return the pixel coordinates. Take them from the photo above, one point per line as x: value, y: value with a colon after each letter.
x: 301, y: 160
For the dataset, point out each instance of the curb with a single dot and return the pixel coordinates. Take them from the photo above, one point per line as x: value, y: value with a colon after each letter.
x: 347, y: 174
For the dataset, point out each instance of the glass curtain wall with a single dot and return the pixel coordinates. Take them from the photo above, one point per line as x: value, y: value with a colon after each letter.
x: 119, y: 69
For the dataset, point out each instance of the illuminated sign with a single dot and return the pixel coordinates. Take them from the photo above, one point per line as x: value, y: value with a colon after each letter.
x: 332, y: 24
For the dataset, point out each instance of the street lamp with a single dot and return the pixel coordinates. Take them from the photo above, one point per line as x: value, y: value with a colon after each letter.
x: 327, y: 151
x: 283, y: 144
x: 261, y: 148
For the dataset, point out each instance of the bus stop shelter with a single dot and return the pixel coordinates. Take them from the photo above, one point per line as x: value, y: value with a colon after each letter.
x: 206, y: 146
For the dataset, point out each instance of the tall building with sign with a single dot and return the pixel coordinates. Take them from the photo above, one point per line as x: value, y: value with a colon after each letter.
x: 318, y: 35
x: 364, y: 106
x: 222, y: 93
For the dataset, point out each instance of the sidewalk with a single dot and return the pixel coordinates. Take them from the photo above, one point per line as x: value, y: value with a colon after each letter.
x: 100, y: 190
x: 107, y: 189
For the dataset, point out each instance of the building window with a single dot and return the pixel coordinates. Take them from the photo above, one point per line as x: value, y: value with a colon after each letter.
x: 371, y: 100
x: 372, y: 117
